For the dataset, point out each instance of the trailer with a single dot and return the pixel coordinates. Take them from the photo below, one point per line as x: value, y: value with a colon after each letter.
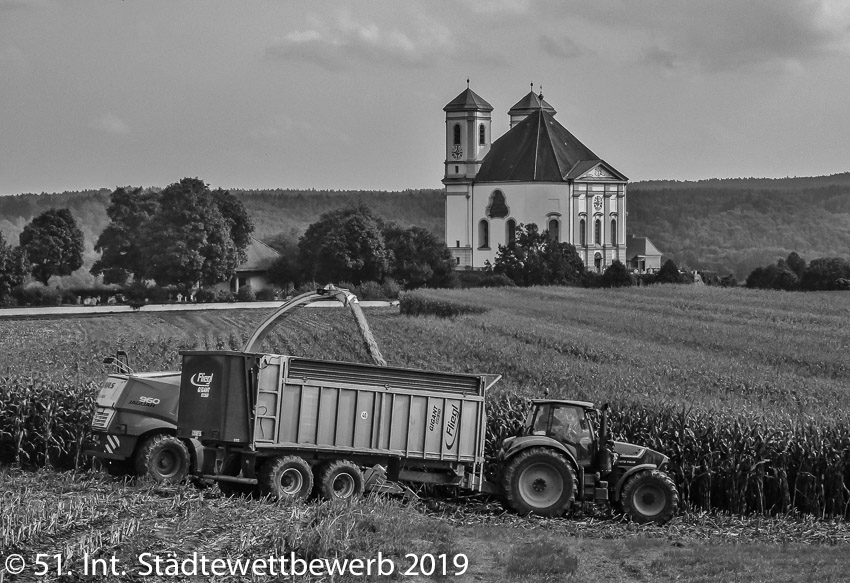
x: 281, y: 423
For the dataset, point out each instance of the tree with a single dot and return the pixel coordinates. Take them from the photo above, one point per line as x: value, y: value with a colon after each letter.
x: 286, y: 269
x: 344, y: 245
x: 53, y: 244
x: 13, y: 267
x: 668, y: 273
x: 825, y: 273
x: 616, y: 275
x: 796, y: 263
x: 417, y: 257
x: 189, y: 240
x: 237, y: 219
x: 533, y: 258
x: 121, y: 243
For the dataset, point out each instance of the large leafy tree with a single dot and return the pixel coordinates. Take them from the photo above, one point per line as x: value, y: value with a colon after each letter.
x: 535, y: 258
x: 344, y: 245
x: 826, y: 273
x: 189, y: 240
x: 182, y: 235
x: 417, y: 257
x: 53, y: 244
x: 13, y: 267
x: 121, y: 245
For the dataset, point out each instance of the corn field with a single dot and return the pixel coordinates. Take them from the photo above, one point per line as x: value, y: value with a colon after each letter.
x: 745, y: 390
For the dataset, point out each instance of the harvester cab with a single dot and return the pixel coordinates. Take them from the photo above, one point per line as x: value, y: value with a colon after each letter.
x: 564, y: 444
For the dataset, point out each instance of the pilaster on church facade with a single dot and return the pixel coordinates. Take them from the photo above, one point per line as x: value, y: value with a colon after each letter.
x: 537, y: 172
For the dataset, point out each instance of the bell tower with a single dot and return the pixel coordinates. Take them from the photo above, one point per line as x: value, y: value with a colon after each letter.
x: 467, y: 142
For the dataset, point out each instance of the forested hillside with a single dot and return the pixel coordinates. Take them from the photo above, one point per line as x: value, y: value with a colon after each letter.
x: 739, y: 224
x: 726, y: 225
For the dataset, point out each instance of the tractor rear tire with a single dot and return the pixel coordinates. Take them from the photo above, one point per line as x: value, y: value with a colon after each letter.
x: 231, y: 466
x: 164, y: 458
x: 650, y: 496
x: 339, y: 480
x: 286, y: 478
x: 540, y: 480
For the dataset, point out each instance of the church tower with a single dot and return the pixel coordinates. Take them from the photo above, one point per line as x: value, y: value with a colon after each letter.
x: 467, y: 143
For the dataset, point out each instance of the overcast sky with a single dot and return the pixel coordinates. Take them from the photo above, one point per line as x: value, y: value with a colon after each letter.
x: 255, y: 94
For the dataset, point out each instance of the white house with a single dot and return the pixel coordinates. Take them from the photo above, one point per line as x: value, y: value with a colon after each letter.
x: 253, y: 270
x: 537, y: 172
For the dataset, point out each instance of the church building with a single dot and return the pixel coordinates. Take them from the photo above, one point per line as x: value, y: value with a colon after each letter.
x: 537, y: 172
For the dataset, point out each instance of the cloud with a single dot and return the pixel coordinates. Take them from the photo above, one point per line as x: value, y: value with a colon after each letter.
x: 349, y: 42
x: 111, y: 124
x: 562, y: 47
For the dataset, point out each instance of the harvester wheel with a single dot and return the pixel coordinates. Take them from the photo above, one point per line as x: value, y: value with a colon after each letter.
x: 339, y: 480
x: 540, y: 480
x: 286, y: 478
x: 163, y: 458
x: 650, y: 496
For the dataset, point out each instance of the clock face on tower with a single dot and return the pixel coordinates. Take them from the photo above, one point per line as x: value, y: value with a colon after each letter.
x: 597, y: 203
x: 457, y: 151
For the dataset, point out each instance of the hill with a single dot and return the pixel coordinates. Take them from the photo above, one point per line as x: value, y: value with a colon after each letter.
x: 726, y: 225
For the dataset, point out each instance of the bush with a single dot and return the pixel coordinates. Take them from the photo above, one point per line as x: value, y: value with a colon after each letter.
x: 496, y: 280
x: 591, y: 279
x: 729, y: 281
x: 370, y: 290
x: 223, y: 295
x: 391, y: 288
x: 616, y: 275
x: 267, y: 294
x: 246, y: 294
x: 205, y: 295
x: 37, y: 295
x: 158, y: 295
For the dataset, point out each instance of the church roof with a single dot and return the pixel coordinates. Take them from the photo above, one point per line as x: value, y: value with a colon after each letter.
x: 537, y: 149
x: 640, y: 246
x: 469, y: 100
x: 530, y: 103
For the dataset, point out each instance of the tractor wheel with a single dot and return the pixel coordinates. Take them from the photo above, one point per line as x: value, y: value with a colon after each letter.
x: 286, y: 478
x: 231, y: 466
x: 339, y: 480
x: 650, y: 496
x: 540, y: 480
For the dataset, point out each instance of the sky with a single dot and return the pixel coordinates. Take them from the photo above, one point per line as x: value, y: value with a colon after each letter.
x: 350, y: 95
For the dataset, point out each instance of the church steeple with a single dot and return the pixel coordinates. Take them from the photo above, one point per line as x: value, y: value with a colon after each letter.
x: 467, y: 135
x: 528, y: 105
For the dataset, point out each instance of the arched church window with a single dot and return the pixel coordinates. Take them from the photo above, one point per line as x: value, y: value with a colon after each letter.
x: 483, y: 234
x: 456, y: 141
x: 481, y: 135
x: 510, y: 234
x: 554, y: 229
x: 498, y: 208
x: 597, y: 262
x: 582, y: 233
x: 614, y: 232
x: 597, y: 232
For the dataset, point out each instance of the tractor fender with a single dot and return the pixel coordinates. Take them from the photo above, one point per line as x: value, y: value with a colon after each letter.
x: 618, y: 488
x: 522, y: 443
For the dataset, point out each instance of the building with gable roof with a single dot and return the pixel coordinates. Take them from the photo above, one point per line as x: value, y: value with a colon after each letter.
x: 537, y: 172
x: 254, y: 270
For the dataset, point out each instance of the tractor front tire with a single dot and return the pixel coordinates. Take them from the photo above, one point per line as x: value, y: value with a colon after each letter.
x: 540, y: 480
x: 286, y: 478
x: 339, y: 480
x: 164, y: 458
x: 650, y: 496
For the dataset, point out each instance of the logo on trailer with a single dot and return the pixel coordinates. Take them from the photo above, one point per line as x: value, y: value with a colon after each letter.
x: 202, y: 381
x: 436, y: 413
x: 451, y: 426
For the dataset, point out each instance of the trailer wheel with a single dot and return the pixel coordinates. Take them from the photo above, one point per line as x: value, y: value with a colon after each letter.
x: 339, y: 480
x: 163, y: 458
x: 286, y: 478
x: 650, y: 496
x: 539, y: 480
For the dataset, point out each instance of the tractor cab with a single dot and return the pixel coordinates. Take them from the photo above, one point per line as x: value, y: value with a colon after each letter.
x: 571, y: 423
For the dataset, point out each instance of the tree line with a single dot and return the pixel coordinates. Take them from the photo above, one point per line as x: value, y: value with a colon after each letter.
x: 794, y: 274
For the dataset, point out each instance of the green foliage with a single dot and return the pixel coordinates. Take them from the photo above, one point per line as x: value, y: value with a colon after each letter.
x: 414, y: 304
x: 534, y: 258
x: 53, y: 244
x: 616, y: 275
x: 13, y: 268
x: 267, y: 294
x: 37, y: 294
x: 286, y: 270
x: 826, y: 273
x: 121, y: 243
x: 205, y: 295
x: 496, y: 280
x: 246, y: 294
x: 669, y: 273
x: 344, y: 245
x: 417, y: 257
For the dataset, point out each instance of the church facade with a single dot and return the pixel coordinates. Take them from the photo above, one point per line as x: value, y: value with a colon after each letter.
x: 537, y: 172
